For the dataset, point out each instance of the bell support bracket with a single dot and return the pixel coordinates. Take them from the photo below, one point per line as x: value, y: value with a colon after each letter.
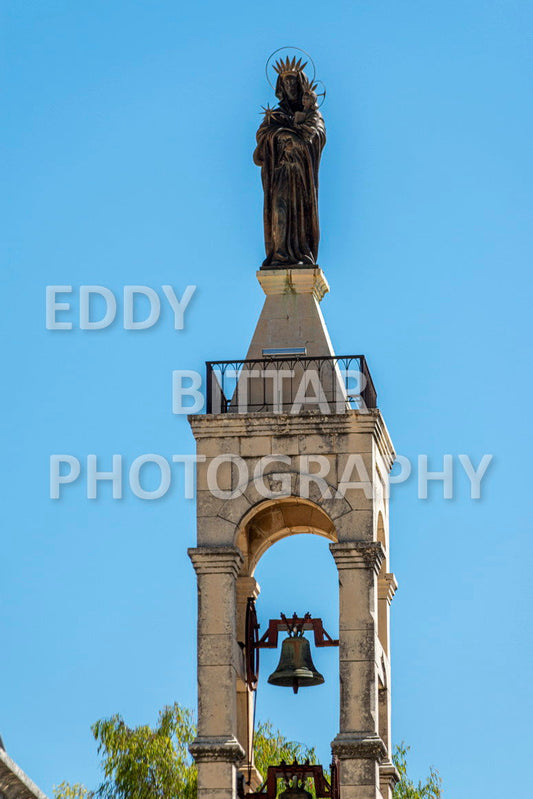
x: 269, y: 640
x: 251, y: 650
x: 324, y: 788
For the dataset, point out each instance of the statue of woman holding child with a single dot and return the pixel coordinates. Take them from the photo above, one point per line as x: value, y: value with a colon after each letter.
x: 290, y: 140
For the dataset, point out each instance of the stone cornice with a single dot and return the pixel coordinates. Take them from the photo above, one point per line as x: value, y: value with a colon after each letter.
x: 247, y: 587
x: 300, y: 280
x: 388, y: 774
x: 222, y: 425
x: 351, y: 746
x: 216, y: 560
x: 358, y: 555
x: 210, y: 749
x: 228, y: 425
x: 384, y: 443
x: 387, y: 587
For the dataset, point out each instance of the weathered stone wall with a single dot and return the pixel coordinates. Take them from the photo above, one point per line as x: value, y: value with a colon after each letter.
x: 349, y: 506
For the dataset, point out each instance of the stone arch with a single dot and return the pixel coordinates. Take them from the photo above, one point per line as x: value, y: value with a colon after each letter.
x: 274, y: 519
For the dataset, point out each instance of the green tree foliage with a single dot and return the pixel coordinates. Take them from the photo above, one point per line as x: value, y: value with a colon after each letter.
x: 406, y: 789
x: 154, y: 763
x: 67, y: 791
x: 142, y: 762
x: 271, y: 747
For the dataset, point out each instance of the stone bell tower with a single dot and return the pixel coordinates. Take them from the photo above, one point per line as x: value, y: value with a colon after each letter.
x: 292, y: 442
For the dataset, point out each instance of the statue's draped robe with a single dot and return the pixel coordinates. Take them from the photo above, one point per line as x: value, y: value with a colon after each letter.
x: 289, y: 157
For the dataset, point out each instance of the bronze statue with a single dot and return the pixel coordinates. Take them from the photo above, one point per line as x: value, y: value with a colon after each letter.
x: 289, y: 144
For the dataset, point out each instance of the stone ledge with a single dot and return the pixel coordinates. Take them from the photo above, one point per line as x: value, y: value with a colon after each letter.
x: 247, y: 587
x: 216, y: 560
x: 298, y: 280
x: 349, y: 746
x: 253, y: 778
x: 388, y: 774
x: 217, y: 748
x: 223, y: 425
x: 358, y: 555
x: 244, y: 425
x: 387, y: 587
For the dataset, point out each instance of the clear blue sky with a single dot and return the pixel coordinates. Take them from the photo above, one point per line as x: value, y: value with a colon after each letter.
x: 128, y: 130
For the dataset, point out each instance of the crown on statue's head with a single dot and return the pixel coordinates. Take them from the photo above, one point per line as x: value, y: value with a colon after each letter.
x: 289, y: 67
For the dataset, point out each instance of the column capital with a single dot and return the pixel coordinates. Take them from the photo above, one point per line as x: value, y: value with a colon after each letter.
x: 351, y: 746
x: 358, y: 555
x: 388, y: 774
x: 247, y: 587
x: 387, y: 587
x: 216, y: 748
x: 216, y: 560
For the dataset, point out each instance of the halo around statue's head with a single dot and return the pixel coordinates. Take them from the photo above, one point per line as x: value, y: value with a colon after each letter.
x: 293, y: 61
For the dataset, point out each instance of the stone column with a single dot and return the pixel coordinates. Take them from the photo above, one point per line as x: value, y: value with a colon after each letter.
x: 216, y: 749
x: 358, y: 745
x: 388, y: 775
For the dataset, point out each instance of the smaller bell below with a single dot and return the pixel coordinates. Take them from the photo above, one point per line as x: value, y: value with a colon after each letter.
x: 295, y: 793
x: 295, y: 668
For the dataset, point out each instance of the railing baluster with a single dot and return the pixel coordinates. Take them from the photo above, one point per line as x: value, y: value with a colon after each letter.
x: 209, y: 388
x: 333, y: 368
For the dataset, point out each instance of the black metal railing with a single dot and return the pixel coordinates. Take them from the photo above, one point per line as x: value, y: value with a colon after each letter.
x: 290, y: 384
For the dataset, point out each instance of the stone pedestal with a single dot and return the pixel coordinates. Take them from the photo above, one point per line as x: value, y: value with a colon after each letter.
x: 291, y: 316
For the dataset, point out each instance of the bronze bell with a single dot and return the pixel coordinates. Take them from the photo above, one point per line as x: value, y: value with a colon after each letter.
x: 295, y: 667
x: 295, y: 793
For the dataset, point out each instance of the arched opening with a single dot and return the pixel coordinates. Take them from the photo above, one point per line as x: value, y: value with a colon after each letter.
x: 297, y: 575
x: 274, y: 520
